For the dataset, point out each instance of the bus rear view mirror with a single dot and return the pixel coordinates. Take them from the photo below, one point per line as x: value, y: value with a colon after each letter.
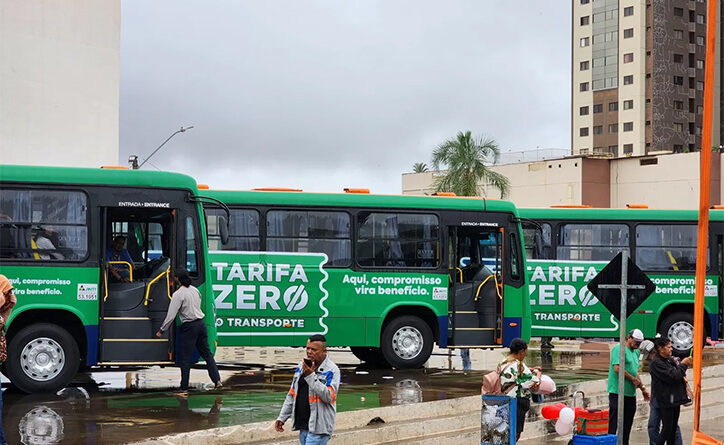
x: 223, y: 225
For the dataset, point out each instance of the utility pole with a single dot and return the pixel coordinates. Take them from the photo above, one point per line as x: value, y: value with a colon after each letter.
x: 133, y: 159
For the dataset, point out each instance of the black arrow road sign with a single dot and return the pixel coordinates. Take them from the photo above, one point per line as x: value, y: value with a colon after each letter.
x: 607, y: 285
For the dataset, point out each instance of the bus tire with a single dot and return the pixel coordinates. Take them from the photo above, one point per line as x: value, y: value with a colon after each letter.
x: 679, y: 328
x: 406, y: 342
x: 371, y: 356
x: 42, y: 357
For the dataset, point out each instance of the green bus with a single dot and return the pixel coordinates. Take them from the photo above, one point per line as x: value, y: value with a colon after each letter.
x: 57, y: 226
x: 566, y: 247
x: 385, y: 275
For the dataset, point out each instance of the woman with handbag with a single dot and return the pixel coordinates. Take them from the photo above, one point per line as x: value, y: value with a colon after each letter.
x: 7, y: 302
x: 668, y: 388
x: 517, y: 380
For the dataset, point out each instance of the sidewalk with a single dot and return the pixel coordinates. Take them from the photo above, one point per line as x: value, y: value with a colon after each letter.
x: 713, y: 427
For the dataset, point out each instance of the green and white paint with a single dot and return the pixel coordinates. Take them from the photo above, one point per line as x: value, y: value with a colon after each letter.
x: 562, y: 306
x: 277, y: 298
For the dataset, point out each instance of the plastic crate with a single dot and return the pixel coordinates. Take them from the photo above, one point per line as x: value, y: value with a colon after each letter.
x: 498, y: 420
x: 608, y: 439
x: 592, y: 422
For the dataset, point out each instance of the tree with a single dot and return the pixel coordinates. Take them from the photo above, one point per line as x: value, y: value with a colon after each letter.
x: 464, y: 159
x: 419, y: 167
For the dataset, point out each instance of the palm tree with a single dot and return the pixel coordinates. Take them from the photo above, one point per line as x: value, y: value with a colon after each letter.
x: 464, y: 158
x: 419, y: 167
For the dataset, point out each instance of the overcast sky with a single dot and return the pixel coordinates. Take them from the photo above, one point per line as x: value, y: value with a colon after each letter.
x: 322, y: 95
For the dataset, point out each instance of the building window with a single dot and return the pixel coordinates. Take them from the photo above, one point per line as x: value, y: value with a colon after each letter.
x: 678, y: 126
x: 598, y: 129
x: 628, y: 58
x: 584, y: 20
x: 679, y: 12
x: 584, y: 151
x: 678, y: 58
x: 628, y: 104
x: 678, y: 80
x: 585, y: 2
x: 585, y: 41
x: 597, y: 108
x: 628, y: 126
x: 678, y: 105
x: 584, y: 86
x: 699, y: 109
x: 583, y: 131
x: 679, y: 34
x: 584, y: 111
x: 628, y: 33
x: 700, y: 86
x: 700, y: 64
x: 627, y: 11
x: 613, y: 106
x: 584, y: 65
x: 628, y: 80
x: 627, y: 148
x: 698, y: 133
x: 700, y: 40
x: 613, y: 128
x: 613, y: 149
x: 700, y: 19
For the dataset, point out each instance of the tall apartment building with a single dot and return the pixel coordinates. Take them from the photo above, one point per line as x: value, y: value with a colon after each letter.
x: 638, y: 77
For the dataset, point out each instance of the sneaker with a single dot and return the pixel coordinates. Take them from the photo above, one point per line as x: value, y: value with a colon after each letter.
x: 218, y: 385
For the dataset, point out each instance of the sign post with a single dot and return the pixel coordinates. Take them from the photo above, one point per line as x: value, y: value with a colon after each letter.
x: 632, y: 289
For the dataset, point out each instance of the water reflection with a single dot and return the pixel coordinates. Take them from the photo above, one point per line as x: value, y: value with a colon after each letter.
x: 118, y: 407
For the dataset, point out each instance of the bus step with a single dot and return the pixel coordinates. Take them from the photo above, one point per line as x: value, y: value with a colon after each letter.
x: 473, y: 337
x: 134, y: 350
x: 126, y: 327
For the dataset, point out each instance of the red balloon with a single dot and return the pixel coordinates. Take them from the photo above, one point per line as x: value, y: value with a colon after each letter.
x: 561, y: 405
x: 551, y: 412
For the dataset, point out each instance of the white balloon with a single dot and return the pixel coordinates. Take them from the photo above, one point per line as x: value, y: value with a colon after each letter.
x: 567, y: 415
x: 563, y: 428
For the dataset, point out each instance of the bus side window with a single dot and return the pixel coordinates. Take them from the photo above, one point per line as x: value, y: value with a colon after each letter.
x: 191, y: 265
x: 537, y: 238
x: 243, y: 230
x: 666, y: 247
x: 49, y: 225
x: 514, y: 266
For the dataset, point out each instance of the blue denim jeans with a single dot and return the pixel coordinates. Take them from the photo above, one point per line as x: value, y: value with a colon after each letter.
x: 307, y: 438
x: 655, y: 424
x: 465, y: 355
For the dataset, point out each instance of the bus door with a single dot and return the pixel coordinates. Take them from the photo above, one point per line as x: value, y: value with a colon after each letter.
x: 475, y: 287
x: 137, y: 273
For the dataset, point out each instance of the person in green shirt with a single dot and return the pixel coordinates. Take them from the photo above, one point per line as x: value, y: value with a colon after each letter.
x: 632, y: 382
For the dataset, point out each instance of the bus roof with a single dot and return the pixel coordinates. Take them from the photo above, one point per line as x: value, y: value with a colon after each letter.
x: 360, y: 200
x: 102, y: 176
x: 617, y: 214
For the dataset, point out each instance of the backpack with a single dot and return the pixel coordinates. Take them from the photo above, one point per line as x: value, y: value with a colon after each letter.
x: 491, y: 382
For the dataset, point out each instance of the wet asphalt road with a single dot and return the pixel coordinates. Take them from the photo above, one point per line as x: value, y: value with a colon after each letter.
x: 112, y: 407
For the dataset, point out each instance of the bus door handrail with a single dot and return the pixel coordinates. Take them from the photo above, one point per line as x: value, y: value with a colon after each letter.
x: 148, y: 286
x: 125, y: 263
x: 495, y: 281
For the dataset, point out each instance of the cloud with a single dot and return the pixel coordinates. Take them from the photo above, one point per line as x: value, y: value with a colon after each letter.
x: 326, y: 94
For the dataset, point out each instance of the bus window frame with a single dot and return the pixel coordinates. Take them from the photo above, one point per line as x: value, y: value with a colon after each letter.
x: 440, y: 239
x: 263, y: 234
x: 87, y: 225
x: 634, y: 246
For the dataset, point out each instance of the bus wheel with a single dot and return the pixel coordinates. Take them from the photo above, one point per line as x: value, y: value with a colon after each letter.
x: 42, y: 358
x: 371, y: 356
x: 406, y: 342
x: 679, y: 328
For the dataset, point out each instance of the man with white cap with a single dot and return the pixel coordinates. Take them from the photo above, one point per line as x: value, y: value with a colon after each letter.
x: 647, y: 352
x: 631, y: 371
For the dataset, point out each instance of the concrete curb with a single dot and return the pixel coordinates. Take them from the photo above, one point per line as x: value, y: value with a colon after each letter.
x: 456, y: 418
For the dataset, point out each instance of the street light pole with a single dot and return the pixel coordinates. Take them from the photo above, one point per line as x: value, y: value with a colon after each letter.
x: 181, y: 130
